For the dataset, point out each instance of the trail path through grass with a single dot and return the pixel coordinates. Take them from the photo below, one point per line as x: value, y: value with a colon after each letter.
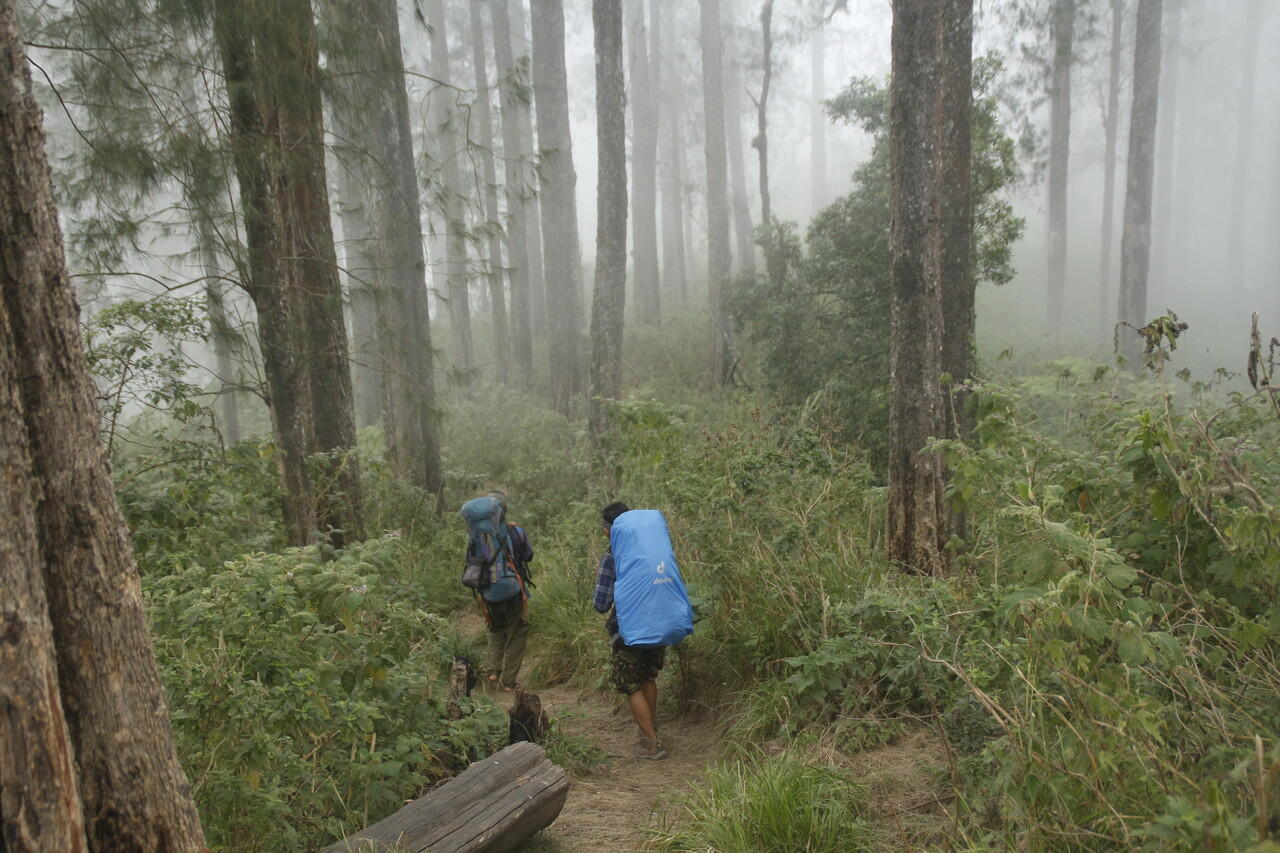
x: 610, y: 808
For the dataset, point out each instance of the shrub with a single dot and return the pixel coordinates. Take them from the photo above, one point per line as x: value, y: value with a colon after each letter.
x: 305, y: 695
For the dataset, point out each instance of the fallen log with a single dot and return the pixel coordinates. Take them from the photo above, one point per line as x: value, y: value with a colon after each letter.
x: 492, y: 806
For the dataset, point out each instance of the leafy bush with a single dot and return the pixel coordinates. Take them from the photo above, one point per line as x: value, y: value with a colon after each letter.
x: 821, y: 331
x: 306, y: 696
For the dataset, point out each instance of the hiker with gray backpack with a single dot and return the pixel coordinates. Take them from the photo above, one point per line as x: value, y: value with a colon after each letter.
x: 497, y: 573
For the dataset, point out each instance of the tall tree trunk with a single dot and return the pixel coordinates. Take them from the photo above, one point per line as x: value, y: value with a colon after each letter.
x: 224, y: 337
x: 718, y: 255
x: 644, y: 169
x: 1063, y: 27
x: 929, y: 197
x: 674, y: 266
x: 1111, y: 122
x: 1135, y: 246
x: 611, y: 212
x: 361, y: 271
x: 1166, y: 146
x: 955, y: 210
x: 372, y: 110
x: 559, y: 206
x: 517, y: 185
x: 272, y: 78
x: 484, y: 129
x: 538, y: 292
x: 1244, y: 140
x: 87, y: 759
x: 772, y: 257
x: 743, y: 230
x: 450, y: 145
x: 817, y: 118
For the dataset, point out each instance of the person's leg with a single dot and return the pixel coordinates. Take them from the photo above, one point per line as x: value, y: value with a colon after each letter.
x: 642, y: 711
x: 498, y: 631
x: 517, y: 642
x: 650, y: 691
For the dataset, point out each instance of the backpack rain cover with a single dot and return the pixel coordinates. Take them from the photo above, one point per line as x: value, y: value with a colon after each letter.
x: 648, y: 593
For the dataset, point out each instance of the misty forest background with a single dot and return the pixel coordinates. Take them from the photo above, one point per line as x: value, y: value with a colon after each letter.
x: 944, y: 345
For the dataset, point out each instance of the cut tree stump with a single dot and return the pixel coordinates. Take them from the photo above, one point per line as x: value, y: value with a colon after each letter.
x: 492, y: 806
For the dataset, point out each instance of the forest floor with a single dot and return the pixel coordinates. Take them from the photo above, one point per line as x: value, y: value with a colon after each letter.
x: 613, y: 806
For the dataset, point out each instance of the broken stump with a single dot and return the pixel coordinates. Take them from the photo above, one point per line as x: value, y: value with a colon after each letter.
x: 492, y: 806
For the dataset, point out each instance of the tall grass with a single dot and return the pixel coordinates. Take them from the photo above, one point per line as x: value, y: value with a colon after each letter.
x: 770, y: 805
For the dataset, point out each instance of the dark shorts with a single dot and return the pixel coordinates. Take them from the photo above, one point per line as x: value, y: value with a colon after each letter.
x: 629, y: 668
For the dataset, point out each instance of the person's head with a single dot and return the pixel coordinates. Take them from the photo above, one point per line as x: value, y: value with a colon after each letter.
x: 612, y: 511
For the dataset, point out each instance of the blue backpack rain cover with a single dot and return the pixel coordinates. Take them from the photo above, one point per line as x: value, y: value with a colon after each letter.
x: 648, y: 592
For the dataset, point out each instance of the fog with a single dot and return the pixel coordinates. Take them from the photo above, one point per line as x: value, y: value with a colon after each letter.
x: 1216, y: 224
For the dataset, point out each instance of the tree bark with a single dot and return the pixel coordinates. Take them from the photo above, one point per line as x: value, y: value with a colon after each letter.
x: 87, y: 760
x: 674, y: 265
x: 517, y: 185
x: 718, y: 254
x: 1063, y: 25
x: 224, y: 337
x: 272, y: 78
x: 1244, y: 142
x: 361, y: 271
x: 373, y: 112
x: 1135, y: 245
x: 644, y: 170
x: 444, y: 124
x: 1166, y: 146
x: 817, y: 119
x: 929, y: 199
x: 538, y: 293
x: 743, y: 229
x: 559, y: 205
x: 484, y: 128
x: 772, y: 257
x: 1111, y: 123
x: 611, y: 212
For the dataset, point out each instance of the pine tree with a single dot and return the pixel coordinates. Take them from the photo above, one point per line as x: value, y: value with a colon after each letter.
x: 271, y: 67
x: 718, y: 255
x: 87, y: 758
x: 1063, y: 31
x: 371, y: 107
x: 1135, y: 246
x: 489, y: 197
x: 644, y: 168
x: 929, y: 130
x: 448, y: 147
x: 558, y: 202
x: 611, y: 212
x: 518, y: 189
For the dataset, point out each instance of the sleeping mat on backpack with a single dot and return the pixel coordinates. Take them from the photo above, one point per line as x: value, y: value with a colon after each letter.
x: 648, y: 593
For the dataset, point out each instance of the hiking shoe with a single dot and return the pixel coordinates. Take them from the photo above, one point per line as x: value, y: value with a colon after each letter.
x: 650, y: 748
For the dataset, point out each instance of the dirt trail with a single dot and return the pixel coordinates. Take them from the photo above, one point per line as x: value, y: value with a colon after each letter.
x: 610, y: 808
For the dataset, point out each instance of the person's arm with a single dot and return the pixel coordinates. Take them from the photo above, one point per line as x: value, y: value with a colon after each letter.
x: 602, y: 600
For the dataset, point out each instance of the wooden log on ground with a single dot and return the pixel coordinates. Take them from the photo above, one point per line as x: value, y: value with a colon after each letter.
x: 492, y: 806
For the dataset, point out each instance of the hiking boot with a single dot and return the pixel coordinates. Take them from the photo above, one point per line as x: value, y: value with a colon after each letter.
x: 650, y: 748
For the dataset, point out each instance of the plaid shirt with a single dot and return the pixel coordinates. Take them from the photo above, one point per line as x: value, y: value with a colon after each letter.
x: 602, y: 599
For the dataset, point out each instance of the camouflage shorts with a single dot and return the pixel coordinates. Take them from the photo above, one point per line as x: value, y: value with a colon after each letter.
x: 630, y: 668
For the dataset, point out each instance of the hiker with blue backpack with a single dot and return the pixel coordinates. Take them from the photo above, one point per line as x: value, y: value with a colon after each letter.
x: 638, y: 584
x: 497, y: 573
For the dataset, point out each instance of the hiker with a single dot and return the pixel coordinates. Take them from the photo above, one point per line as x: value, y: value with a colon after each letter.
x: 498, y: 557
x: 655, y: 612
